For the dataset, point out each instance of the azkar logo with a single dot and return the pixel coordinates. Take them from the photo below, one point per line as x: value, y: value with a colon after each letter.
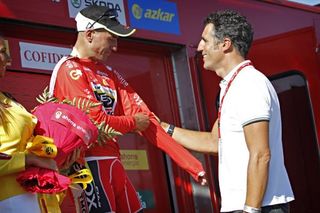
x: 158, y: 14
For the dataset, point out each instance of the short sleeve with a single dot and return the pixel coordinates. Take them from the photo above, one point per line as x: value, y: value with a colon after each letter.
x: 255, y: 99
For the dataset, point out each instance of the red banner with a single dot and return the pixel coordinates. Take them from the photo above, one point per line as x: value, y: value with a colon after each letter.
x: 55, y: 12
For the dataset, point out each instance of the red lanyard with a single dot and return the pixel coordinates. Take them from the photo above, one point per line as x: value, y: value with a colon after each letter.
x: 225, y: 92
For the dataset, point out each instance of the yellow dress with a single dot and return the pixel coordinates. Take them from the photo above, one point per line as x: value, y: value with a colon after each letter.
x: 14, y: 134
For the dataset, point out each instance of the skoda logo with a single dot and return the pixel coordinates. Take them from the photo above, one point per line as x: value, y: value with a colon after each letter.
x: 137, y: 11
x: 76, y: 3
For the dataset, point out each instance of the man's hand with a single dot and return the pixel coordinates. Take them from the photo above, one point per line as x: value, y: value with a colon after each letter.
x: 165, y: 126
x: 157, y: 118
x: 34, y: 160
x: 71, y: 158
x: 142, y: 121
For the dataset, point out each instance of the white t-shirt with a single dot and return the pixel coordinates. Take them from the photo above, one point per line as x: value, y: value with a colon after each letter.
x: 251, y: 97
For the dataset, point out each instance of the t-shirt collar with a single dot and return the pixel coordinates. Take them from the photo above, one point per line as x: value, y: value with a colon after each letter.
x: 75, y: 53
x: 227, y: 78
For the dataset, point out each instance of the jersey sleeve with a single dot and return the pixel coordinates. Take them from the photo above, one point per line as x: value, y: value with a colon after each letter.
x: 132, y: 103
x: 71, y: 82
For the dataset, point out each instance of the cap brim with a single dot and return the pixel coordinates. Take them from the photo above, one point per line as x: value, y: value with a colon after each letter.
x: 120, y: 30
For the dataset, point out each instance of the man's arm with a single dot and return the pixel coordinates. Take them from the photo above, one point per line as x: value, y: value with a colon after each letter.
x: 131, y: 103
x: 257, y: 139
x: 71, y: 83
x: 205, y: 142
x: 19, y: 161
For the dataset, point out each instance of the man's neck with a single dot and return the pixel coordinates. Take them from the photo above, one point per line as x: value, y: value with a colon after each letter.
x: 81, y: 49
x: 228, y: 66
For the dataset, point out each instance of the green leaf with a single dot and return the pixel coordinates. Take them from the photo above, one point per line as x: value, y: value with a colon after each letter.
x: 105, y: 132
x: 45, y: 97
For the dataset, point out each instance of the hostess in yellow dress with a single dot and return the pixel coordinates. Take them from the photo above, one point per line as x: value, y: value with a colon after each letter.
x: 15, y: 131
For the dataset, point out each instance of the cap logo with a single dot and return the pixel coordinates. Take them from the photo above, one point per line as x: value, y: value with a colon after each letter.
x: 89, y: 25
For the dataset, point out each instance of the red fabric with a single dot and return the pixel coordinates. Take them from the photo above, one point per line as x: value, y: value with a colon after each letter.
x: 111, y: 190
x: 70, y: 128
x: 155, y: 134
x: 64, y: 128
x: 97, y: 82
x: 42, y: 180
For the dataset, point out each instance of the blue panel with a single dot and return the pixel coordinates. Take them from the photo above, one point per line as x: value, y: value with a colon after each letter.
x: 155, y: 15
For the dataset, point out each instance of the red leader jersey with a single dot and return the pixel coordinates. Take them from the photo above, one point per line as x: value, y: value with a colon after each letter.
x: 85, y: 78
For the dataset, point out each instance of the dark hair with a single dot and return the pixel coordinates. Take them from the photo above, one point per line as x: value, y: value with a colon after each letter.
x: 232, y: 25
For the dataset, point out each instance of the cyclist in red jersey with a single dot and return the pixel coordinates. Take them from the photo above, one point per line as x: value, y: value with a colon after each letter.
x: 84, y: 74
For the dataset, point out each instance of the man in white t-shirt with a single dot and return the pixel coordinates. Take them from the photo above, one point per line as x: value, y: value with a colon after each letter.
x: 247, y: 133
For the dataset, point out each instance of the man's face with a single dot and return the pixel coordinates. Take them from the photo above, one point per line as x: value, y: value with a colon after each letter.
x: 210, y: 48
x: 103, y: 43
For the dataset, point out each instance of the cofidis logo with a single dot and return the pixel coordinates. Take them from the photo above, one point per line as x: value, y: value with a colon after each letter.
x: 160, y: 16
